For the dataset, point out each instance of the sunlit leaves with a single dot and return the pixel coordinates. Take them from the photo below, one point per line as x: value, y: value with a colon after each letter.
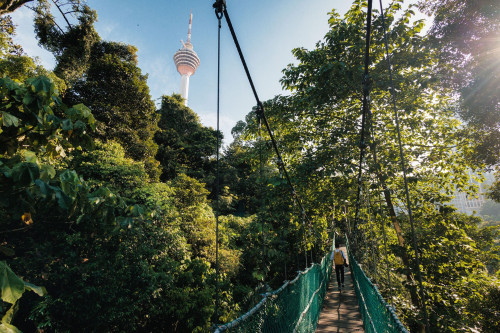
x: 12, y: 286
x: 465, y: 37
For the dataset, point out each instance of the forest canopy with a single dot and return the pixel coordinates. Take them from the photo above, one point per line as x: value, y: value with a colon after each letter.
x: 115, y: 214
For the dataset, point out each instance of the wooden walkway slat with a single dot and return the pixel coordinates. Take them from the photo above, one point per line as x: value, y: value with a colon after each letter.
x: 340, y: 311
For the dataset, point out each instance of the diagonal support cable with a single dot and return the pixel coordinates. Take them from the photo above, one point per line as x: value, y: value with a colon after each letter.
x: 220, y: 9
x: 366, y: 107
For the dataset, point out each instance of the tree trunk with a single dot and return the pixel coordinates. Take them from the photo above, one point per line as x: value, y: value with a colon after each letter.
x: 399, y: 233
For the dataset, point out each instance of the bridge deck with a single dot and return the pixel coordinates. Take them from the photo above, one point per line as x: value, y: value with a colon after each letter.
x: 340, y: 311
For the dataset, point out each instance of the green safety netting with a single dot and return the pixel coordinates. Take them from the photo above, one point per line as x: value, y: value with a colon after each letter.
x: 378, y: 316
x: 294, y: 307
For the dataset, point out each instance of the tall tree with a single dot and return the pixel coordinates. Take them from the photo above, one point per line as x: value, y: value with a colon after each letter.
x: 117, y: 93
x: 466, y: 35
x: 185, y: 145
x: 17, y: 65
x: 70, y: 42
x: 7, y: 31
x: 103, y: 75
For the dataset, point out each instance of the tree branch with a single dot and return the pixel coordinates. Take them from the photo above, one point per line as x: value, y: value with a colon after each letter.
x: 18, y: 135
x: 47, y: 17
x: 14, y: 230
x: 8, y: 6
x: 62, y: 13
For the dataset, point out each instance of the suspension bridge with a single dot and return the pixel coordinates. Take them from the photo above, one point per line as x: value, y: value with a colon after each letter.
x: 310, y: 302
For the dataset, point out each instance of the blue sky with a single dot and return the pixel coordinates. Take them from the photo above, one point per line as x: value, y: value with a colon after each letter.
x: 267, y: 32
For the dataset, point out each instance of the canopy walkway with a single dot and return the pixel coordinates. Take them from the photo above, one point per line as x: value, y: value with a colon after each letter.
x: 297, y: 305
x: 340, y: 311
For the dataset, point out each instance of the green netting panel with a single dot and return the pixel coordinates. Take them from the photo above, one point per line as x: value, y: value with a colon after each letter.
x: 378, y: 316
x: 294, y: 307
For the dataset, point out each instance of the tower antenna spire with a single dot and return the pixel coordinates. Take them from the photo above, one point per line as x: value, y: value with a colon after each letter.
x: 189, y: 30
x: 186, y: 61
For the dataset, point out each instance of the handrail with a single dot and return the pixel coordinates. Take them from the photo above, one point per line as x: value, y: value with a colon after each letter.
x: 310, y: 300
x: 393, y: 324
x: 236, y: 322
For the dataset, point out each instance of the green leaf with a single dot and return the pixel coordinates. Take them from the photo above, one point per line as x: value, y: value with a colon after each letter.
x: 41, y: 84
x: 67, y: 125
x: 69, y: 182
x: 81, y: 112
x: 79, y: 126
x: 25, y: 173
x: 47, y: 172
x: 6, y: 171
x: 44, y: 188
x: 30, y: 156
x: 62, y: 199
x: 8, y: 83
x: 27, y: 99
x: 40, y: 291
x: 8, y: 328
x: 9, y: 120
x: 9, y: 315
x: 12, y: 286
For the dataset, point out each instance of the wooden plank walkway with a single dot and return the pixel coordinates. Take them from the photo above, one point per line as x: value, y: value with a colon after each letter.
x: 340, y: 311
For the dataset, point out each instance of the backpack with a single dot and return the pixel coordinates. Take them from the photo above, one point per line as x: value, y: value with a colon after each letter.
x: 337, y: 257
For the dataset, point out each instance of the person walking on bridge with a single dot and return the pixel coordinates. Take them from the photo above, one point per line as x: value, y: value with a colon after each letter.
x: 339, y: 261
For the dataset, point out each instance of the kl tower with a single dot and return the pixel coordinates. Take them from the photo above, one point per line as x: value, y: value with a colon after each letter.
x: 187, y: 62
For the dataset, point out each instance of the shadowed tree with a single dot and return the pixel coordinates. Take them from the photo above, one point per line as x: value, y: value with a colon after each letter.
x: 70, y: 43
x: 184, y: 144
x: 118, y: 95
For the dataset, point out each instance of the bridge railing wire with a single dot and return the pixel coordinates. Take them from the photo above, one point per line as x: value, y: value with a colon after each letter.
x: 378, y: 316
x: 294, y: 307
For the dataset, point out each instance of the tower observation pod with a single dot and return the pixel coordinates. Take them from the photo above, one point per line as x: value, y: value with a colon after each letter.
x: 186, y: 61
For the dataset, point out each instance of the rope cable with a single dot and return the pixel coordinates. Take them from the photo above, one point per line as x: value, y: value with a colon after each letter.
x: 372, y: 234
x: 403, y: 166
x: 217, y: 299
x: 261, y: 176
x: 366, y: 92
x: 364, y: 212
x: 220, y: 5
x: 386, y: 254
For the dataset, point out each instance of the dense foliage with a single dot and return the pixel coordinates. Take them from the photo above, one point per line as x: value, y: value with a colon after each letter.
x: 465, y: 35
x: 184, y: 144
x: 107, y: 205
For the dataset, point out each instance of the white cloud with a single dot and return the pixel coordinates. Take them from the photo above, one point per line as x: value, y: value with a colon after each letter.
x: 107, y: 30
x: 226, y: 124
x: 161, y: 78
